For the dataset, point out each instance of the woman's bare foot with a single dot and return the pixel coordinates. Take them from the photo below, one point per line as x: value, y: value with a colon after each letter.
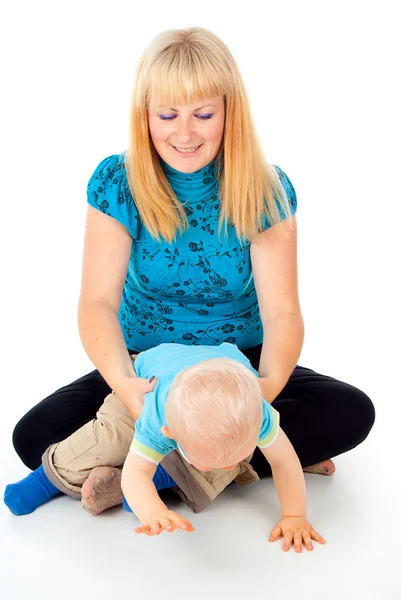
x: 324, y: 468
x: 102, y: 490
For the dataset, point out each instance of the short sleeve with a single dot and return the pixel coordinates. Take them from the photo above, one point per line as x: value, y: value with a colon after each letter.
x: 291, y: 195
x: 148, y: 442
x: 270, y: 425
x: 145, y: 451
x: 108, y: 191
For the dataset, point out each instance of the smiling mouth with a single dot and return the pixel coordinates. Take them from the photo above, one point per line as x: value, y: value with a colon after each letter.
x: 186, y: 150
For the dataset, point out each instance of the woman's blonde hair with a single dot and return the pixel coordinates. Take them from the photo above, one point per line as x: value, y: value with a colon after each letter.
x: 215, y: 408
x: 180, y: 67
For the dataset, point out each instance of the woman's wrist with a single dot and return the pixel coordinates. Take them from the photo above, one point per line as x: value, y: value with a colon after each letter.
x: 123, y: 385
x: 270, y: 388
x: 123, y: 389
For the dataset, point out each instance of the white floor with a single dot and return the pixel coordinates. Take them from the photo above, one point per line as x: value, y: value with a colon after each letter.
x: 60, y: 551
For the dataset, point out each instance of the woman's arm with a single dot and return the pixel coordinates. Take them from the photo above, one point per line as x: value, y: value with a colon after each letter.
x: 275, y: 273
x: 106, y: 256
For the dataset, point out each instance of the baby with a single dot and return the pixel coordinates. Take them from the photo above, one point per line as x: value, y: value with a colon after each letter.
x: 206, y: 404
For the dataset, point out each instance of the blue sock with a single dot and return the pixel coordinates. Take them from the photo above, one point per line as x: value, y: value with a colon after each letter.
x: 26, y: 495
x: 161, y: 480
x: 126, y: 506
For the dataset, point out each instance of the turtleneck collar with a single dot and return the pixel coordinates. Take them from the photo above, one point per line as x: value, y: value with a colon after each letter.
x: 194, y: 181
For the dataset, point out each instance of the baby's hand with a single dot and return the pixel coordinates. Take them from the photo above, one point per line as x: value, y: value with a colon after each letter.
x: 164, y: 519
x: 298, y: 529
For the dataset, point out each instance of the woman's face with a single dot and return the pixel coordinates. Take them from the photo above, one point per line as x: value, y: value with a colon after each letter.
x: 188, y: 137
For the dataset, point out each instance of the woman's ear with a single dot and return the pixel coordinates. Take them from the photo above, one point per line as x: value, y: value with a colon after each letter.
x: 166, y: 432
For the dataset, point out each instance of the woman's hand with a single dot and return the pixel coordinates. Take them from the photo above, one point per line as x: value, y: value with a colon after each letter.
x: 166, y: 520
x: 132, y: 392
x: 297, y: 529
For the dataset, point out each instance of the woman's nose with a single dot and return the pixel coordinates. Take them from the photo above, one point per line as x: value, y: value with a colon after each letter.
x: 184, y: 131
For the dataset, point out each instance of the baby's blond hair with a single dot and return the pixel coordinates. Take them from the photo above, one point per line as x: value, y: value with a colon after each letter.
x: 215, y: 407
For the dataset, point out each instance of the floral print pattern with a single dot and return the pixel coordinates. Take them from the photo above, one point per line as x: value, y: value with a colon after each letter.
x: 197, y: 290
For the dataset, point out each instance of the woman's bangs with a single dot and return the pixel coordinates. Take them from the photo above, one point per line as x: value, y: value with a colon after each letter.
x: 180, y: 85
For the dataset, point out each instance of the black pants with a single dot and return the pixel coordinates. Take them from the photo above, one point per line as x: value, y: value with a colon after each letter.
x: 323, y: 417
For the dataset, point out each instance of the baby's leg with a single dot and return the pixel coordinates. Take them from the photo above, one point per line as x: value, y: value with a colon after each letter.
x: 67, y: 464
x: 104, y: 441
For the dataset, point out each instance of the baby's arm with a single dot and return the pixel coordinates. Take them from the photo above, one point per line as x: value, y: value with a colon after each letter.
x: 290, y: 484
x: 143, y: 499
x: 288, y: 476
x: 138, y: 488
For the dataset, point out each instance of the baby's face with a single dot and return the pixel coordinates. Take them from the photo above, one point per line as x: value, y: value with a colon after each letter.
x: 201, y: 461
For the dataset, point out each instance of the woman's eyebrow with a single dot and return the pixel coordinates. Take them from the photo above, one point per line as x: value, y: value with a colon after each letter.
x: 195, y: 109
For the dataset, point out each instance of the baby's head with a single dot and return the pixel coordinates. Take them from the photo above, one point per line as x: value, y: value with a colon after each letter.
x: 213, y: 412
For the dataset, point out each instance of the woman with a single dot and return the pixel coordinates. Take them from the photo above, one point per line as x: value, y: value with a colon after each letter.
x: 191, y: 238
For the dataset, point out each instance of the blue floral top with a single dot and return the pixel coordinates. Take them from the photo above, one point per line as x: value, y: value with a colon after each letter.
x: 195, y: 291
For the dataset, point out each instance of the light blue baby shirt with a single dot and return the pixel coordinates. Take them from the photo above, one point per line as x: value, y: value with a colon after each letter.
x: 166, y: 361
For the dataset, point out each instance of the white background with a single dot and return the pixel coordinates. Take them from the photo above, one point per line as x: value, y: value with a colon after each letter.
x: 323, y: 80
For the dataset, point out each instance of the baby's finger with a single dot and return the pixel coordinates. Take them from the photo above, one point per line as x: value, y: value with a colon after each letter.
x: 275, y: 533
x: 181, y: 522
x: 307, y: 540
x: 297, y: 541
x: 155, y: 528
x: 186, y: 525
x: 166, y: 524
x: 287, y: 541
x: 143, y: 529
x: 316, y: 536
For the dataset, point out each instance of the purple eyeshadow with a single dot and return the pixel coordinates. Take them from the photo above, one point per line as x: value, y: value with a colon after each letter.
x: 203, y: 117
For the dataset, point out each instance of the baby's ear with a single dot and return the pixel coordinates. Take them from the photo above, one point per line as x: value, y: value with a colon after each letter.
x: 166, y: 432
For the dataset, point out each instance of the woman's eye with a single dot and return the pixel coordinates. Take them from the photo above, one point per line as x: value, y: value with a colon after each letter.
x: 202, y: 117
